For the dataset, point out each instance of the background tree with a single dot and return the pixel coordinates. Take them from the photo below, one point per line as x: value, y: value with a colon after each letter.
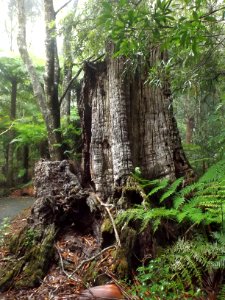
x: 48, y: 96
x: 16, y: 104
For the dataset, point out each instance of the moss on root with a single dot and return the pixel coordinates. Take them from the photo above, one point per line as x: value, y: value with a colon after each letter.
x: 27, y: 270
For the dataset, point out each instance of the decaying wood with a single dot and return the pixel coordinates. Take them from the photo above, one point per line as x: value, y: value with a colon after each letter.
x: 126, y: 124
x: 61, y: 201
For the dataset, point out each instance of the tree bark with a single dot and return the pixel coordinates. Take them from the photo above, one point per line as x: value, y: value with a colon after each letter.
x: 126, y: 124
x: 48, y: 97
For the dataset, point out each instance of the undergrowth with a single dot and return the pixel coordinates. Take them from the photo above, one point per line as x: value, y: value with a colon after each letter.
x: 194, y: 266
x: 187, y: 270
x: 199, y: 203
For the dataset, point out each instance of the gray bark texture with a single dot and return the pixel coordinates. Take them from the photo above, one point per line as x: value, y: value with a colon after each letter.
x: 126, y: 124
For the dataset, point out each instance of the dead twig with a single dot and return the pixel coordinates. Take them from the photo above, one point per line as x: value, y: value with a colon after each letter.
x: 8, y: 129
x: 61, y: 263
x: 106, y: 206
x: 121, y: 287
x: 90, y: 259
x: 77, y: 75
x: 64, y: 5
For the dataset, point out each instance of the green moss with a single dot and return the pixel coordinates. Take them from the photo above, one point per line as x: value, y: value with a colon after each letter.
x: 38, y: 261
x: 121, y: 265
x: 107, y: 226
x: 132, y: 193
x: 31, y: 267
x: 91, y: 272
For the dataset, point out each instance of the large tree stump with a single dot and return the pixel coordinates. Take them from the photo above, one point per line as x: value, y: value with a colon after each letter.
x: 125, y: 124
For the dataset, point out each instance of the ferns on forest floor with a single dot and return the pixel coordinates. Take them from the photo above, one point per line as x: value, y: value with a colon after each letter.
x: 200, y: 202
x: 183, y: 270
x: 189, y: 268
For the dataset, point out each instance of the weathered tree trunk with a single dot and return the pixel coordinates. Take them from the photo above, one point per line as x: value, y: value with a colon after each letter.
x: 126, y: 124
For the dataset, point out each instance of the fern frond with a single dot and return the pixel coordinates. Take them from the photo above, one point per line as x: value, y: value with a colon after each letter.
x: 192, y: 259
x: 155, y: 215
x: 221, y: 294
x: 214, y: 173
x: 186, y: 191
x: 172, y: 189
x: 161, y: 186
x: 136, y: 213
x: 178, y: 202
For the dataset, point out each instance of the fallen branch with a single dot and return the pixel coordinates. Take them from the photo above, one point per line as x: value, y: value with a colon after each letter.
x: 90, y: 259
x: 8, y: 129
x: 106, y: 206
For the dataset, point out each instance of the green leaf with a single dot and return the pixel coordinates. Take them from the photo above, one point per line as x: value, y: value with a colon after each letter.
x: 183, y: 38
x: 195, y: 16
x: 119, y: 23
x: 107, y: 7
x: 210, y: 18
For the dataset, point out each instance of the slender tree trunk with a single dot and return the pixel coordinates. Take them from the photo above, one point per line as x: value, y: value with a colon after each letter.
x: 48, y: 97
x: 26, y: 163
x: 66, y: 103
x: 10, y: 153
x: 52, y: 82
x: 68, y: 66
x: 189, y: 130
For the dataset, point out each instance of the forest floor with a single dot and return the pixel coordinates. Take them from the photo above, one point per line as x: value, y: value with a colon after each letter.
x: 61, y: 282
